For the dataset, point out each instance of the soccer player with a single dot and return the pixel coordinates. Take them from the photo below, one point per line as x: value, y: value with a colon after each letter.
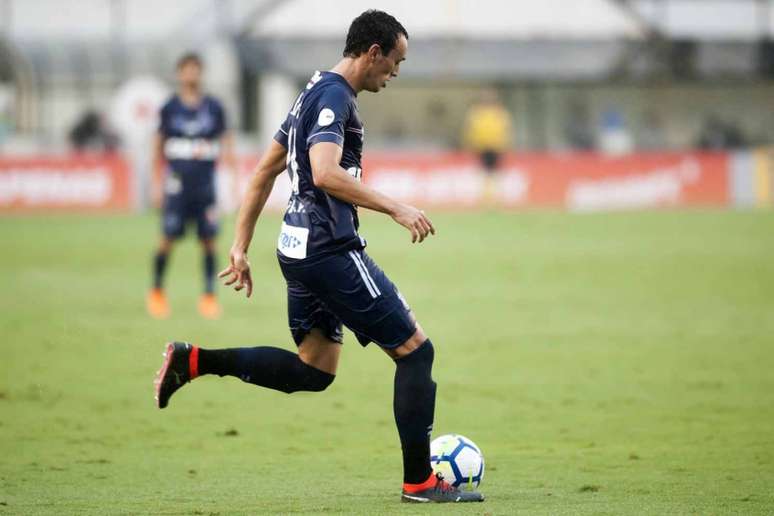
x: 330, y: 279
x: 192, y: 136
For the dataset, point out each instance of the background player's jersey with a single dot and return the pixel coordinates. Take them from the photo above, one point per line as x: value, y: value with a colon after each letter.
x: 315, y: 222
x: 191, y: 143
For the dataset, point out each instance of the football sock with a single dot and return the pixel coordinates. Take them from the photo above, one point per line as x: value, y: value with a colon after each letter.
x: 413, y: 405
x: 269, y: 367
x: 159, y: 266
x: 209, y: 272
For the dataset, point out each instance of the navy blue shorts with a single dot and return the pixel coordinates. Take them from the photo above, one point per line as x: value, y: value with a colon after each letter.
x: 180, y: 209
x: 346, y: 288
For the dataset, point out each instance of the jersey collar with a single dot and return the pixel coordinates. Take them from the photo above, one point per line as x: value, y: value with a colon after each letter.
x: 341, y: 79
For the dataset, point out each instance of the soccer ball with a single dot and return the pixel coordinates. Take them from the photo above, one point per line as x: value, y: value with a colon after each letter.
x: 458, y: 459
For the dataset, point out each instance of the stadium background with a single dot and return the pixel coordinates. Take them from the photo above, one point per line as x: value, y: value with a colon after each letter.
x: 614, y: 361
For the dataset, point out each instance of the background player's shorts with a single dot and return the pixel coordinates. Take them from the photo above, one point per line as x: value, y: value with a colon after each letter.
x: 490, y: 159
x: 348, y: 288
x: 180, y: 208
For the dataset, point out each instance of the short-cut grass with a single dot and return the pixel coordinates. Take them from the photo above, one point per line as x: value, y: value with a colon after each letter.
x: 605, y: 364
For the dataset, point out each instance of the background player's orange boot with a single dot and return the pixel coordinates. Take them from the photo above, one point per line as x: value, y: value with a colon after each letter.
x: 209, y: 308
x: 157, y: 304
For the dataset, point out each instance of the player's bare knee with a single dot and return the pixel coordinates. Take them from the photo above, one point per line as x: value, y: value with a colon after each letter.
x: 165, y: 246
x: 416, y: 340
x: 208, y: 244
x: 320, y: 352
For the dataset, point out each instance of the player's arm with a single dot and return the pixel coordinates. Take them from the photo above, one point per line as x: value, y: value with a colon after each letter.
x: 158, y: 163
x: 271, y: 165
x: 328, y: 175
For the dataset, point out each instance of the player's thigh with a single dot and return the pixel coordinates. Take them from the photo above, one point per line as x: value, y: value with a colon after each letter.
x: 306, y: 312
x: 356, y: 290
x: 320, y: 352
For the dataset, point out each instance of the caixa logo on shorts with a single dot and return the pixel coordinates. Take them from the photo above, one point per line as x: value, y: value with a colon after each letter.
x: 292, y: 241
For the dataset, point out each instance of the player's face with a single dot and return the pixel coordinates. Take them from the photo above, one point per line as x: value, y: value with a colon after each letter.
x: 189, y: 75
x: 386, y: 67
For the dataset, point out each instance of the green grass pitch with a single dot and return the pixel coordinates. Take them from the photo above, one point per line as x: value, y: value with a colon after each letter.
x: 606, y: 364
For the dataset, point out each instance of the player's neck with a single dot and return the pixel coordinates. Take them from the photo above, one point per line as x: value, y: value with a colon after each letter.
x: 352, y: 71
x: 191, y: 96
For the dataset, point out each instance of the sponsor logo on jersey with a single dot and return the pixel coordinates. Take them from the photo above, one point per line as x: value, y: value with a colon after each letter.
x: 191, y: 148
x: 292, y: 241
x: 326, y: 117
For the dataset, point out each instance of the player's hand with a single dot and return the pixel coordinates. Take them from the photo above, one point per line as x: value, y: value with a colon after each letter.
x: 415, y: 221
x: 238, y: 272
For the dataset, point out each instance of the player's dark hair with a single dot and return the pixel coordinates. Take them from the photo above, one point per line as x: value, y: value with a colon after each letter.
x: 190, y: 58
x: 373, y: 27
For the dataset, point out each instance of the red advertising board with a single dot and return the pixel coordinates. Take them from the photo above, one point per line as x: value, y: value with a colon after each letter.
x: 72, y: 182
x: 578, y: 181
x: 573, y: 181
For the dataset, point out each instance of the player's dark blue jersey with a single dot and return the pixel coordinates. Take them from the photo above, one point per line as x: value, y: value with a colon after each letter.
x: 315, y: 222
x: 191, y: 143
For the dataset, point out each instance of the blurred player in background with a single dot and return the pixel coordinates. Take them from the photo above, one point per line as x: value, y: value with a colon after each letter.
x: 330, y: 279
x: 192, y: 137
x: 488, y: 133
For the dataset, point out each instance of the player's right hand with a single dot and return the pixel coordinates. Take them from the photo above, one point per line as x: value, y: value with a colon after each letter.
x: 414, y: 220
x: 238, y: 271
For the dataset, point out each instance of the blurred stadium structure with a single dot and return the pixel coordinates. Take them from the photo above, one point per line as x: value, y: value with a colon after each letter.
x: 613, y: 103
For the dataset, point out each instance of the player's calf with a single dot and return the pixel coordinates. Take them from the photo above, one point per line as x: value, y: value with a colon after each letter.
x: 269, y: 367
x: 414, y: 406
x: 265, y: 366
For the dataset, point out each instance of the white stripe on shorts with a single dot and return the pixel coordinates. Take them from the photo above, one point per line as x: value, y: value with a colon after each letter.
x: 373, y: 283
x: 372, y: 288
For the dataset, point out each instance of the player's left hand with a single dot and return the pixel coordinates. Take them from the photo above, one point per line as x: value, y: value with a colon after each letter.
x: 239, y: 272
x: 414, y: 220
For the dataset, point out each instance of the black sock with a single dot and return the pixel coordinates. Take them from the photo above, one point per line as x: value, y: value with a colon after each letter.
x: 159, y: 266
x: 209, y: 272
x: 274, y: 368
x: 414, y: 405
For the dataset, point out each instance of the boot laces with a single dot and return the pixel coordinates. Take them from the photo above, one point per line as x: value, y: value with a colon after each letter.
x: 443, y: 486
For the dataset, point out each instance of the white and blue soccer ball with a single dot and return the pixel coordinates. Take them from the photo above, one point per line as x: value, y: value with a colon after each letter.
x: 458, y: 459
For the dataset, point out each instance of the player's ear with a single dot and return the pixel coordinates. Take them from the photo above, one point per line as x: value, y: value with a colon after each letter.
x: 373, y: 52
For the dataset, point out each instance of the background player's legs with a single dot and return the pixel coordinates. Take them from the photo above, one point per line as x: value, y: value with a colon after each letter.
x: 207, y: 227
x: 157, y: 303
x: 160, y: 261
x: 313, y: 368
x: 208, y: 264
x: 208, y: 303
x: 172, y: 227
x: 414, y: 406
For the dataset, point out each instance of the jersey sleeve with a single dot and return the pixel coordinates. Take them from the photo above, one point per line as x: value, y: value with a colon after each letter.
x: 330, y: 118
x: 281, y: 136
